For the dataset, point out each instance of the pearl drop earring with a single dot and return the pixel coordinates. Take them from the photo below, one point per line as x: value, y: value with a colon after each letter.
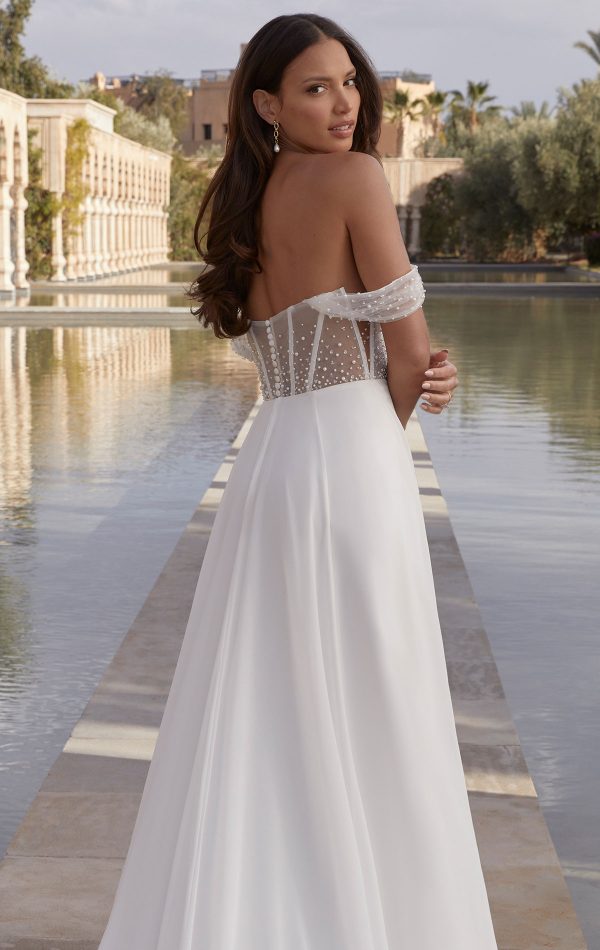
x: 276, y: 136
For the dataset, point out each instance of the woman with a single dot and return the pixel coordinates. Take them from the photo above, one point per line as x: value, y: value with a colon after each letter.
x: 306, y: 790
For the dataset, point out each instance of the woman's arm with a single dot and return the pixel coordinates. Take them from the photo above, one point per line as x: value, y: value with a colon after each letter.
x: 381, y: 257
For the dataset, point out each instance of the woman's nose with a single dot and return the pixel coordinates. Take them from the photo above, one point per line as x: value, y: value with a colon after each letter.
x: 343, y: 102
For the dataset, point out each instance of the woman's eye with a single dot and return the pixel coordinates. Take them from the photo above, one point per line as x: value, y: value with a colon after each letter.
x: 321, y: 86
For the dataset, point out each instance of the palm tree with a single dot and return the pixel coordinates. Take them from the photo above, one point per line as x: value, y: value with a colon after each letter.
x: 594, y: 53
x: 396, y: 110
x: 433, y: 106
x: 470, y: 109
x: 528, y: 110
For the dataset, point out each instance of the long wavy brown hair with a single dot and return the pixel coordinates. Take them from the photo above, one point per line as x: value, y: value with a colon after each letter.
x: 232, y: 199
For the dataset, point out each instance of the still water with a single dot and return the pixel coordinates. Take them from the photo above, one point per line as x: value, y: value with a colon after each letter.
x: 110, y: 437
x: 518, y: 460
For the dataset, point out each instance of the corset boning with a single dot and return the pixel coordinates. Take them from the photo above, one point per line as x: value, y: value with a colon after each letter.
x: 332, y: 338
x: 294, y: 357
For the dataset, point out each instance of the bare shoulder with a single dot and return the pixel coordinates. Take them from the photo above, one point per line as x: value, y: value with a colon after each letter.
x: 343, y: 170
x: 334, y: 172
x: 355, y: 179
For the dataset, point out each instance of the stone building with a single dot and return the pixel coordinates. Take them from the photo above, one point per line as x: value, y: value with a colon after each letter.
x: 125, y: 211
x: 208, y: 98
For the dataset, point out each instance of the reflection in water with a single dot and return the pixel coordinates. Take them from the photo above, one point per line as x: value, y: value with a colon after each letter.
x: 91, y: 299
x: 15, y: 423
x: 176, y: 272
x: 518, y: 459
x: 499, y: 275
x: 108, y: 439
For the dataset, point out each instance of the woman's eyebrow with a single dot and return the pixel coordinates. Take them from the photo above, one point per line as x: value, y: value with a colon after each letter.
x: 327, y: 78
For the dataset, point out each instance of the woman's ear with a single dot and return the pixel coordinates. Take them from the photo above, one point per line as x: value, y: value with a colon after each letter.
x: 263, y: 103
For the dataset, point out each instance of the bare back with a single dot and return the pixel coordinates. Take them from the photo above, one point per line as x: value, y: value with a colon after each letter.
x: 304, y: 245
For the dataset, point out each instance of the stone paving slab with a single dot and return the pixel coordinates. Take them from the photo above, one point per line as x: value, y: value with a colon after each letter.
x: 61, y: 869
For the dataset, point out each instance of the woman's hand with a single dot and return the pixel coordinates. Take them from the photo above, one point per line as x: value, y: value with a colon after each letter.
x: 440, y: 383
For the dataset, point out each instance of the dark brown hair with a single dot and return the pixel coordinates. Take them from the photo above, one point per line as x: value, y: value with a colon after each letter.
x: 234, y: 193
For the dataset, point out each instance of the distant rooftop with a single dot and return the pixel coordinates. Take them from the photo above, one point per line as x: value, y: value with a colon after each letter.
x: 406, y: 75
x: 215, y: 75
x: 223, y: 75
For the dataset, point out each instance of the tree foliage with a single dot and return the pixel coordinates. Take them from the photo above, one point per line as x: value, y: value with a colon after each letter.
x: 78, y: 137
x: 440, y: 233
x: 189, y: 180
x: 42, y: 205
x: 530, y: 181
x: 25, y: 75
x: 591, y: 50
x: 397, y: 110
x: 158, y: 97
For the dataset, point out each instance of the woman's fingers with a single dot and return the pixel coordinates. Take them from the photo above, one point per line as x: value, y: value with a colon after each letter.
x: 439, y: 386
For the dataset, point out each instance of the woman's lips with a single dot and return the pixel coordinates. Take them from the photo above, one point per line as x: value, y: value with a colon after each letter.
x: 342, y: 130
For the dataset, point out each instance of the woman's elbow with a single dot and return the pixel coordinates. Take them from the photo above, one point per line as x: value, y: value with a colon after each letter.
x: 407, y: 343
x: 413, y: 359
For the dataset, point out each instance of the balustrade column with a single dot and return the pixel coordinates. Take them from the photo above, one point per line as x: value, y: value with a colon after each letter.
x: 21, y: 264
x: 6, y: 263
x: 112, y: 239
x: 87, y: 263
x: 104, y: 250
x: 402, y: 212
x: 58, y: 258
x: 96, y: 260
x: 120, y: 235
x: 415, y: 231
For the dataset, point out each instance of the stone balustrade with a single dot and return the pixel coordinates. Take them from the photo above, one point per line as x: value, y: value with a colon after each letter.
x: 13, y: 181
x: 124, y: 214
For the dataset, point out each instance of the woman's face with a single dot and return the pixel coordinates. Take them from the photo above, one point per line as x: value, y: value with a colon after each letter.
x: 318, y: 92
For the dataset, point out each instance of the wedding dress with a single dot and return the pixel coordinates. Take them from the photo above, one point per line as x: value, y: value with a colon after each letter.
x: 306, y: 790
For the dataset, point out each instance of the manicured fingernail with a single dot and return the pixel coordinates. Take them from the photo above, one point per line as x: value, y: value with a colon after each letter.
x: 429, y: 372
x: 426, y: 385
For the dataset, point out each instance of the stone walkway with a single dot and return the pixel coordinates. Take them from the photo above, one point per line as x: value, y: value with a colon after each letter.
x: 62, y: 866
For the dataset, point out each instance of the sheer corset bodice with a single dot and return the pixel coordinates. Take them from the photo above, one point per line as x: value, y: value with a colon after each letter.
x: 333, y: 337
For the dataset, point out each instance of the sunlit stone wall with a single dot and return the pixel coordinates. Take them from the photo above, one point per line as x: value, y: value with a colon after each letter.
x: 13, y: 181
x: 408, y: 179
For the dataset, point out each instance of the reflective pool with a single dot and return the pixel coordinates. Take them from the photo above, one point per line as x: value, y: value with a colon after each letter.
x: 109, y: 437
x: 518, y: 460
x: 501, y: 274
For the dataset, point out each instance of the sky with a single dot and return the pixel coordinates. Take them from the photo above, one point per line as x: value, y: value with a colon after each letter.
x: 524, y: 48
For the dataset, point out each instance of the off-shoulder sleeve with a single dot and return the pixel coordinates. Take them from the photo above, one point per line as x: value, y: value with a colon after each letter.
x: 395, y: 300
x: 241, y: 346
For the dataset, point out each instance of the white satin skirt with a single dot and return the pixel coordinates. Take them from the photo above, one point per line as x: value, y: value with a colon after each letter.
x: 306, y: 790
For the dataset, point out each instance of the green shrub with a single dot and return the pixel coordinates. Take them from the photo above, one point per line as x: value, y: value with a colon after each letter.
x: 42, y: 205
x: 189, y: 180
x: 439, y: 224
